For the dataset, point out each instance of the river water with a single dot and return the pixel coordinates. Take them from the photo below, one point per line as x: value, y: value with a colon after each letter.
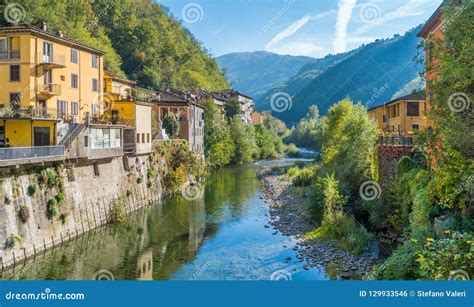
x: 223, y: 236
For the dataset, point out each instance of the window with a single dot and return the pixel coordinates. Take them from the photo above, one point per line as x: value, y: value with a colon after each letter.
x: 95, y: 61
x: 74, y: 56
x: 86, y: 141
x: 105, y: 138
x: 62, y: 109
x: 385, y: 118
x: 3, y: 46
x: 138, y: 138
x: 15, y: 100
x: 395, y: 110
x: 47, y: 52
x: 14, y: 73
x: 413, y: 108
x: 48, y: 76
x: 143, y: 138
x: 94, y: 109
x: 148, y: 138
x: 74, y: 108
x: 415, y: 127
x: 95, y: 85
x: 74, y: 81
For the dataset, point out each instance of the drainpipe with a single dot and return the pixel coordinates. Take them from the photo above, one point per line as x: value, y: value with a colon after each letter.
x: 32, y: 134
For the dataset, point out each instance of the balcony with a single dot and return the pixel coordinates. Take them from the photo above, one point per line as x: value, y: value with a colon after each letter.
x: 10, y: 55
x: 27, y: 113
x: 22, y: 155
x: 54, y: 61
x: 396, y: 141
x: 49, y: 89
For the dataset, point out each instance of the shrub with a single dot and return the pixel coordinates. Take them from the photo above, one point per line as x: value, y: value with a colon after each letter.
x: 49, y: 177
x: 13, y: 240
x: 32, y: 188
x: 128, y: 193
x: 171, y: 125
x: 118, y: 212
x: 441, y: 259
x: 304, y: 177
x: 401, y: 265
x: 53, y: 210
x: 293, y: 151
x: 24, y: 214
x: 139, y: 180
x: 59, y: 198
x: 176, y: 178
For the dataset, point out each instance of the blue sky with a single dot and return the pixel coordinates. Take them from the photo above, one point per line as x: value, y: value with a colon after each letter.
x: 297, y: 27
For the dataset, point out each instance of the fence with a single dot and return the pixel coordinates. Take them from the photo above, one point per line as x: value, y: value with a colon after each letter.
x: 27, y: 153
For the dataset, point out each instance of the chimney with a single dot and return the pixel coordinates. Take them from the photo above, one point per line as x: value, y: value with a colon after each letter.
x: 44, y: 26
x: 60, y: 34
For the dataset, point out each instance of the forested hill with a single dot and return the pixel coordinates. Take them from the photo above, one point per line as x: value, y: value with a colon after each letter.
x: 141, y: 39
x: 372, y: 74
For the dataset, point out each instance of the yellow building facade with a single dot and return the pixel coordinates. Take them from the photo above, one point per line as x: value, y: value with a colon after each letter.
x: 123, y: 109
x: 401, y: 118
x: 45, y: 79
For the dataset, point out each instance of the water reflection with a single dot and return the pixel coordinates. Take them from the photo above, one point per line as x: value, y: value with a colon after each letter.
x: 220, y: 236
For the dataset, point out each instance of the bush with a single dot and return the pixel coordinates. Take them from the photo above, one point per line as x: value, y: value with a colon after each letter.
x: 304, y: 177
x: 24, y: 214
x: 442, y: 259
x: 171, y: 125
x: 53, y: 209
x: 118, y: 212
x: 13, y: 240
x: 401, y: 265
x: 139, y: 180
x: 32, y: 188
x: 59, y: 198
x: 176, y: 178
x: 293, y: 151
x: 49, y: 177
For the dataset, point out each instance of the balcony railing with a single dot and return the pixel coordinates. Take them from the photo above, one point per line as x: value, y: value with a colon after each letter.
x: 28, y: 153
x: 9, y: 55
x: 396, y: 141
x: 42, y: 113
x: 53, y: 61
x: 50, y: 89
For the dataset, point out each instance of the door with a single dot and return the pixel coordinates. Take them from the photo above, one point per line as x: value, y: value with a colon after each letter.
x: 42, y: 136
x: 2, y: 137
x: 41, y: 108
x: 47, y: 52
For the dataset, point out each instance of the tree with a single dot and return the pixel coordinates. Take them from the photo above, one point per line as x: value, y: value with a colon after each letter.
x: 232, y: 108
x: 171, y: 125
x: 244, y: 141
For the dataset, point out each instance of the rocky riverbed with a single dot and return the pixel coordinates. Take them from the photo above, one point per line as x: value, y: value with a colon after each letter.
x: 290, y: 217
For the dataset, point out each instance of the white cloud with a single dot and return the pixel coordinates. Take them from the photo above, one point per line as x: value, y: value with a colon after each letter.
x: 300, y: 47
x: 411, y: 8
x: 295, y: 27
x: 344, y: 15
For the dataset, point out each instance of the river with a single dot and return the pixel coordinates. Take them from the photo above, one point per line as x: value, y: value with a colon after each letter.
x: 223, y: 236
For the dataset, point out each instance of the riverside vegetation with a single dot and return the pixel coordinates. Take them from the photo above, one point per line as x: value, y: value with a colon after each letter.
x: 428, y: 208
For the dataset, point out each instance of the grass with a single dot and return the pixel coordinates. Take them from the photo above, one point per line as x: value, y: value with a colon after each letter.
x: 344, y: 232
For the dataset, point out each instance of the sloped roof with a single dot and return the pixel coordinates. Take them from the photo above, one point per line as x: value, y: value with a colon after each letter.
x: 415, y: 96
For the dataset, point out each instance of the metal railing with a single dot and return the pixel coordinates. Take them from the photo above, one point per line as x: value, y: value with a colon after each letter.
x: 43, y: 113
x: 50, y: 89
x: 9, y: 55
x: 396, y: 141
x: 27, y: 153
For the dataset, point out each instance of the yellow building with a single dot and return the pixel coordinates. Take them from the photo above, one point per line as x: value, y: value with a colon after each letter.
x: 123, y: 109
x: 52, y: 99
x: 400, y: 119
